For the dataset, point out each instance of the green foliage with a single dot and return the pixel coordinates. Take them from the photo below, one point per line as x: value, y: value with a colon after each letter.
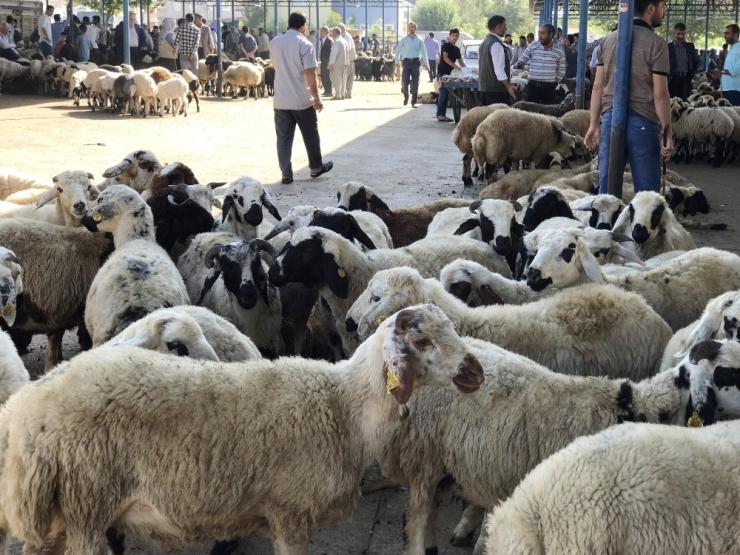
x: 436, y: 15
x: 115, y: 7
x: 334, y: 19
x: 474, y: 14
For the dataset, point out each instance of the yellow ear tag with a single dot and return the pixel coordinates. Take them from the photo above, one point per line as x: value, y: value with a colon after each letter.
x: 694, y: 421
x: 342, y: 274
x: 97, y: 217
x: 391, y: 382
x: 382, y: 319
x: 8, y: 310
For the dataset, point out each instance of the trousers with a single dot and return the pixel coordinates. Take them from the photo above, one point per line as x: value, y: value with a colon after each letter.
x: 326, y: 78
x: 542, y: 93
x: 442, y: 101
x: 642, y: 150
x: 680, y: 86
x: 410, y: 76
x: 285, y: 124
x: 432, y: 70
x: 350, y: 78
x: 732, y: 96
x: 186, y: 63
x: 339, y: 81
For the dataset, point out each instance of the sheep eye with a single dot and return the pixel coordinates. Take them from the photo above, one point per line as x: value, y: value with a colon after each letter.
x: 339, y: 196
x: 567, y: 254
x: 375, y: 299
x: 60, y: 190
x: 422, y: 343
x: 181, y: 350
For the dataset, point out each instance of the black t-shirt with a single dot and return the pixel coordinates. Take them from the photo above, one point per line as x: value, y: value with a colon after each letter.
x: 453, y: 53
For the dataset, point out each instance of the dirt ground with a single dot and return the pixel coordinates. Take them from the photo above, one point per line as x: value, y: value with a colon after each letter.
x: 403, y: 153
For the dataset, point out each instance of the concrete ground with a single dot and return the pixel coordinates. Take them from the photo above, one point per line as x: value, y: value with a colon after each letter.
x: 404, y: 154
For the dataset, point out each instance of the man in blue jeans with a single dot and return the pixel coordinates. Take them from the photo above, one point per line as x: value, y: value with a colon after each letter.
x: 449, y: 59
x: 648, y: 138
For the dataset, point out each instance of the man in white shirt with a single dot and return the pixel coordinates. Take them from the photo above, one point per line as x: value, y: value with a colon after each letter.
x: 92, y: 32
x: 338, y: 62
x: 352, y: 55
x: 44, y: 28
x: 7, y: 46
x: 263, y: 44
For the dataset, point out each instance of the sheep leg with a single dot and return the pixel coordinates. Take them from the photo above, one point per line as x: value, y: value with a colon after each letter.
x: 53, y: 349
x: 284, y: 547
x: 464, y: 532
x: 81, y: 544
x: 481, y: 543
x: 719, y: 150
x: 491, y: 171
x: 419, y: 510
x: 225, y: 547
x: 52, y: 546
x: 467, y: 181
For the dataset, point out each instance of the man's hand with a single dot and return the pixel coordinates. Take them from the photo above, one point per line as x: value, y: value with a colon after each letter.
x: 512, y: 92
x: 520, y: 65
x: 331, y: 67
x: 666, y: 149
x: 191, y: 57
x: 317, y: 104
x: 592, y: 138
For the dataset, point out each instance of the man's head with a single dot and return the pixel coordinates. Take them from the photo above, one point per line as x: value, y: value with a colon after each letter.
x: 49, y: 10
x: 86, y: 20
x: 189, y: 17
x: 57, y: 18
x: 342, y: 28
x: 244, y: 29
x: 732, y: 33
x: 560, y: 32
x: 96, y: 19
x: 83, y: 28
x: 679, y: 32
x: 575, y: 38
x: 530, y: 38
x: 565, y: 41
x: 63, y: 37
x: 497, y: 25
x: 412, y: 28
x: 375, y: 36
x: 507, y: 38
x: 651, y: 12
x: 546, y: 33
x: 260, y: 30
x: 297, y: 21
x: 9, y: 20
x: 522, y: 40
x: 336, y: 32
x: 454, y: 36
x: 132, y: 18
x: 431, y: 35
x: 323, y: 32
x: 198, y: 20
x: 155, y: 29
x: 4, y: 28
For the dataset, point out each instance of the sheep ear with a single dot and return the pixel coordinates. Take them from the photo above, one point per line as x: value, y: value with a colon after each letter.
x: 216, y: 184
x: 627, y: 254
x: 517, y: 206
x: 217, y: 203
x: 467, y: 225
x: 583, y: 204
x: 398, y: 367
x: 335, y: 276
x: 565, y: 164
x: 141, y: 341
x: 267, y: 203
x: 228, y: 203
x: 621, y: 222
x: 93, y: 192
x: 489, y: 296
x: 379, y: 205
x: 282, y: 225
x: 211, y: 278
x: 118, y: 169
x: 589, y: 262
x: 49, y: 195
x: 710, y: 322
x: 360, y: 235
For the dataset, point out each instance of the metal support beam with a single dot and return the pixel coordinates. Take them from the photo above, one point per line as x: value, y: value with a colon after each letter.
x: 276, y: 18
x: 382, y: 28
x: 706, y: 34
x: 318, y: 30
x: 344, y: 11
x: 148, y: 12
x: 555, y: 16
x: 618, y: 130
x: 582, y: 40
x: 367, y: 29
x: 219, y: 52
x: 566, y: 7
x: 233, y: 17
x: 124, y: 29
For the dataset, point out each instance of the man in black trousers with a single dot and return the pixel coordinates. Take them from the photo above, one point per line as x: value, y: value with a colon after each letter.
x: 324, y: 55
x: 684, y: 63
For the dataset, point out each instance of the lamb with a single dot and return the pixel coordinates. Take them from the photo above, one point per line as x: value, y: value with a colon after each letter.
x: 598, y: 211
x: 563, y: 259
x: 517, y: 135
x: 176, y: 90
x: 606, y: 490
x: 464, y: 132
x: 242, y: 295
x: 319, y: 257
x: 614, y: 333
x: 405, y: 225
x: 146, y: 88
x: 244, y: 75
x: 242, y: 208
x: 13, y: 374
x: 177, y: 216
x: 576, y: 122
x: 177, y: 173
x: 341, y: 409
x: 22, y: 188
x: 516, y: 418
x: 75, y: 85
x: 73, y: 192
x: 193, y: 84
x: 136, y: 170
x: 124, y: 89
x: 101, y: 91
x: 59, y: 264
x: 568, y: 104
x: 139, y: 276
x: 653, y: 226
x: 720, y: 320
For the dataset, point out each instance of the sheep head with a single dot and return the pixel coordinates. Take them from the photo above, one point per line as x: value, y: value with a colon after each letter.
x: 720, y: 320
x: 242, y: 206
x: 356, y: 196
x: 605, y: 210
x: 645, y: 217
x: 497, y: 221
x: 73, y: 191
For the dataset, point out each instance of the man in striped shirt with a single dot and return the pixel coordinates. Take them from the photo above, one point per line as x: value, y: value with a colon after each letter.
x: 546, y: 66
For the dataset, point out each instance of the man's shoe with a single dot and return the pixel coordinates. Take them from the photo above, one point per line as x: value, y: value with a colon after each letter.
x: 405, y: 99
x: 325, y: 167
x: 286, y: 180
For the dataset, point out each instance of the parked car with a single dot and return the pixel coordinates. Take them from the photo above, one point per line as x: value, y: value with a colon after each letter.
x: 469, y: 53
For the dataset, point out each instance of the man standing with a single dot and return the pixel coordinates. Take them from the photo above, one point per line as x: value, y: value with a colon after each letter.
x: 518, y: 49
x: 56, y: 28
x: 325, y: 56
x: 338, y: 62
x: 92, y: 32
x: 102, y: 36
x: 207, y: 46
x: 375, y: 44
x: 351, y: 56
x: 231, y: 42
x: 432, y: 47
x: 731, y: 68
x: 649, y: 116
x: 530, y: 38
x: 263, y: 45
x: 247, y: 44
x: 571, y: 57
x: 684, y: 63
x: 449, y: 60
x: 411, y: 50
x: 44, y: 28
x: 296, y: 99
x: 546, y: 66
x: 155, y: 38
x: 186, y: 44
x: 7, y: 46
x: 494, y: 66
x: 136, y: 39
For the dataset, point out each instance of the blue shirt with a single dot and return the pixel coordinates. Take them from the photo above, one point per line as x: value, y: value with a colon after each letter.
x: 432, y: 48
x: 56, y: 30
x: 731, y: 82
x: 83, y: 48
x: 409, y: 47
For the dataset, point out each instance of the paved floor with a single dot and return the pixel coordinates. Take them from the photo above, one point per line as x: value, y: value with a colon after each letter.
x: 405, y: 154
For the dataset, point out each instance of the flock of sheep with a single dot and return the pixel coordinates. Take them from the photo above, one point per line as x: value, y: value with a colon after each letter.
x: 539, y: 317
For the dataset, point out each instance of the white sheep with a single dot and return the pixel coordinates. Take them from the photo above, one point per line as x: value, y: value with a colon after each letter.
x: 706, y: 126
x: 174, y: 89
x: 598, y: 211
x: 11, y: 70
x: 563, y: 259
x: 592, y: 328
x: 75, y: 85
x: 11, y: 285
x: 465, y: 131
x: 634, y: 488
x: 139, y: 277
x: 577, y: 122
x: 22, y: 188
x: 319, y: 257
x: 136, y: 170
x: 251, y: 486
x: 244, y: 74
x: 242, y: 208
x: 146, y: 89
x: 13, y: 374
x: 101, y: 91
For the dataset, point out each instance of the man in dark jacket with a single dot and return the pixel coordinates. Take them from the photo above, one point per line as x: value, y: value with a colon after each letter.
x: 325, y: 53
x: 684, y: 63
x: 137, y: 40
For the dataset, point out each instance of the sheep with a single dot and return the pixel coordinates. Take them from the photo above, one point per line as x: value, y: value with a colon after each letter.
x: 242, y: 207
x: 178, y: 173
x: 101, y: 91
x: 513, y: 134
x: 13, y: 374
x: 136, y: 170
x: 557, y: 111
x: 75, y: 85
x: 175, y: 89
x: 193, y: 85
x: 11, y: 285
x: 243, y: 294
x: 720, y: 320
x: 519, y: 183
x: 653, y: 226
x: 686, y: 201
x: 124, y: 89
x: 146, y: 88
x: 405, y: 225
x: 545, y: 203
x: 517, y: 420
x: 464, y: 132
x: 59, y: 265
x: 592, y: 328
x: 319, y: 257
x: 139, y: 277
x: 177, y: 216
x: 563, y: 259
x: 577, y: 122
x: 700, y: 125
x: 598, y: 211
x: 317, y: 407
x: 22, y: 188
x: 244, y: 75
x: 605, y: 491
x: 72, y: 192
x: 11, y: 70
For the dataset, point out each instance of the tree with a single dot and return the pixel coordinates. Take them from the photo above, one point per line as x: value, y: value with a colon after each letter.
x: 115, y: 7
x: 436, y: 15
x: 334, y: 19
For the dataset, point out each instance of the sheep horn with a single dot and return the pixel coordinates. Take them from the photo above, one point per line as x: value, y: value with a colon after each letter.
x: 627, y: 254
x: 10, y: 257
x: 475, y: 205
x: 621, y: 237
x: 173, y: 202
x: 118, y: 169
x: 263, y: 245
x: 282, y: 225
x: 50, y: 195
x: 211, y: 255
x: 216, y: 184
